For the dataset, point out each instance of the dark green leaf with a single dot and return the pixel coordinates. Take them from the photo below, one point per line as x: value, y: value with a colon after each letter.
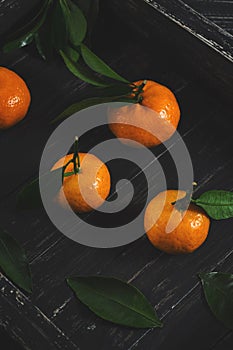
x: 218, y: 204
x: 27, y: 33
x: 90, y: 9
x: 84, y: 5
x: 44, y: 40
x: 99, y: 66
x: 72, y: 54
x: 76, y: 107
x: 81, y: 72
x: 59, y: 26
x: 115, y: 301
x: 218, y: 289
x: 76, y: 22
x: 115, y: 90
x: 29, y: 197
x: 18, y: 43
x: 13, y: 261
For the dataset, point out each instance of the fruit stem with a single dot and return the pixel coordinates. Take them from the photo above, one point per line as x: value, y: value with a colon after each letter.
x: 138, y: 93
x: 73, y: 160
x: 76, y: 156
x: 182, y: 203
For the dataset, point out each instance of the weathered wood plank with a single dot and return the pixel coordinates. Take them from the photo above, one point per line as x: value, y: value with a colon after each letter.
x: 29, y: 325
x: 190, y: 324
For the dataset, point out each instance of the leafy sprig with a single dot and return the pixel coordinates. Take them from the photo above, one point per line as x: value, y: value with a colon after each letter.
x: 218, y: 204
x: 14, y: 262
x: 61, y: 27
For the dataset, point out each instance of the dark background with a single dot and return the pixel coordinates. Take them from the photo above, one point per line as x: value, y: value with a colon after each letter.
x: 212, y: 157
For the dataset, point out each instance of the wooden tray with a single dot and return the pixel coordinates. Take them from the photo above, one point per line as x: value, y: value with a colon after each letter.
x: 162, y: 41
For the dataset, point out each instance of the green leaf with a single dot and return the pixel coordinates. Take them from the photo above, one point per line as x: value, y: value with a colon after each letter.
x: 24, y: 40
x: 99, y: 66
x: 90, y: 9
x: 85, y: 5
x: 59, y: 26
x: 81, y: 72
x: 76, y: 107
x: 13, y: 261
x: 29, y: 197
x: 115, y: 90
x: 218, y: 204
x: 28, y: 32
x: 72, y: 54
x: 115, y: 301
x: 43, y: 39
x: 76, y: 22
x: 218, y: 290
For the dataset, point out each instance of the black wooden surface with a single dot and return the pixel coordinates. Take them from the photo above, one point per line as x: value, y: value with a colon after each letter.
x: 218, y: 11
x: 51, y: 318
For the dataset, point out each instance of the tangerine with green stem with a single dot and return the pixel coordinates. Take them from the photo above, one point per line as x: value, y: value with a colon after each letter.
x: 188, y: 229
x: 150, y: 121
x: 86, y: 181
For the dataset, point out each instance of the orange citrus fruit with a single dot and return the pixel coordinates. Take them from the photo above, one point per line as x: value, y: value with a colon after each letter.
x: 14, y: 98
x: 171, y: 230
x: 149, y: 122
x: 87, y: 189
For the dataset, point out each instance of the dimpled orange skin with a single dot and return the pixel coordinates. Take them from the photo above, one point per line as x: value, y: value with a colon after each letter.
x: 159, y: 99
x: 14, y: 98
x: 190, y: 233
x: 93, y: 179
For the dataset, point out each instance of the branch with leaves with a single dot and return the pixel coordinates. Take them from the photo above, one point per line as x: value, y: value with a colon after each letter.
x: 61, y: 27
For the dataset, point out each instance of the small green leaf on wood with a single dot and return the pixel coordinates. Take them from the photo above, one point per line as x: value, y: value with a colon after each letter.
x: 13, y: 261
x: 115, y: 301
x: 72, y: 54
x: 218, y: 290
x: 218, y: 204
x: 26, y: 34
x: 76, y: 22
x: 59, y: 28
x: 77, y: 107
x: 99, y: 66
x: 81, y: 72
x: 29, y: 197
x: 44, y: 39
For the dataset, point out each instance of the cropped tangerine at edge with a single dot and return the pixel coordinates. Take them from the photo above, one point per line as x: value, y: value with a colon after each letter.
x: 15, y: 98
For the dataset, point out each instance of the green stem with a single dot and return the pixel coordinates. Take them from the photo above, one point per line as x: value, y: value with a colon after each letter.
x: 76, y: 156
x: 182, y: 203
x: 74, y: 161
x: 138, y: 93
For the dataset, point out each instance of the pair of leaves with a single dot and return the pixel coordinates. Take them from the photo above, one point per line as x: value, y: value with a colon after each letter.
x: 93, y: 63
x: 13, y: 261
x: 64, y: 27
x: 121, y: 303
x: 93, y: 101
x: 218, y: 290
x: 218, y: 204
x: 61, y: 26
